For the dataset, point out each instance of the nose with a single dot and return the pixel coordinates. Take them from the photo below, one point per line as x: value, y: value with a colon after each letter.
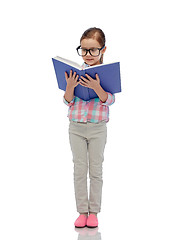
x: 88, y: 53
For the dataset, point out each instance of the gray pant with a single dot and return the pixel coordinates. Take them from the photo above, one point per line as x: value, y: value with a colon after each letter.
x: 87, y: 142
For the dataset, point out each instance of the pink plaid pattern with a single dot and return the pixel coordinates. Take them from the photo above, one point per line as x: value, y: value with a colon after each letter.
x: 89, y: 111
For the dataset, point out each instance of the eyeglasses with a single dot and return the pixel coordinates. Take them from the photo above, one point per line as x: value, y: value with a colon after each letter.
x: 93, y: 51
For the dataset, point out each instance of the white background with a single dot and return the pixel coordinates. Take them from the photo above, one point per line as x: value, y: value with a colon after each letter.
x: 36, y: 169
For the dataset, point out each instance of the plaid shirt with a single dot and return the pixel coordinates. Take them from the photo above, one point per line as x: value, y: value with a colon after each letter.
x: 93, y: 110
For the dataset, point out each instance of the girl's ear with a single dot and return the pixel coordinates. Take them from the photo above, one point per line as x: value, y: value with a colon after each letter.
x: 103, y: 51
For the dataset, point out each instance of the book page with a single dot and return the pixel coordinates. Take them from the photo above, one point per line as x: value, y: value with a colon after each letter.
x: 99, y: 65
x: 69, y: 62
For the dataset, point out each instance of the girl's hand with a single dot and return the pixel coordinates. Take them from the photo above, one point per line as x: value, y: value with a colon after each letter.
x: 90, y: 82
x: 72, y: 79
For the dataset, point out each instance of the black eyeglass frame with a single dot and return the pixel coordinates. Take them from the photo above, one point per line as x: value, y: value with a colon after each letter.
x: 88, y: 50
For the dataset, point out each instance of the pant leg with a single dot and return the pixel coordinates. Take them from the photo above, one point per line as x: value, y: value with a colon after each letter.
x: 96, y: 145
x: 78, y: 144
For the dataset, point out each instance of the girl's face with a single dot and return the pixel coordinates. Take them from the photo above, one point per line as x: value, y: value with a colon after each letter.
x: 91, y: 43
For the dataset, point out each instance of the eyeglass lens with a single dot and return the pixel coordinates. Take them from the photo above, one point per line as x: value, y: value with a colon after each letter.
x: 83, y: 52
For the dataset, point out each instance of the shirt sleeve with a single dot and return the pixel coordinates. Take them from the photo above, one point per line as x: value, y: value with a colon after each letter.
x: 68, y: 103
x: 110, y: 100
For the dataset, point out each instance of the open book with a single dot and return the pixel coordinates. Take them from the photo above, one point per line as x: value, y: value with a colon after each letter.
x: 109, y: 75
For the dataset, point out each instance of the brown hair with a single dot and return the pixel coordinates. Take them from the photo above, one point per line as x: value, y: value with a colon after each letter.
x: 95, y: 33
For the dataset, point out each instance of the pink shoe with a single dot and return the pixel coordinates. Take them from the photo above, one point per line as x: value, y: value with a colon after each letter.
x: 81, y: 221
x: 92, y: 221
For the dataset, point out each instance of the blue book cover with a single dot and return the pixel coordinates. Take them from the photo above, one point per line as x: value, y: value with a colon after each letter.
x: 109, y: 75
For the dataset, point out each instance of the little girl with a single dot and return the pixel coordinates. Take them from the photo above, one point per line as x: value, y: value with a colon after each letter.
x: 87, y: 129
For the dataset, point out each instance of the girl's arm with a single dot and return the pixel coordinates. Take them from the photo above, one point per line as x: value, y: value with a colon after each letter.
x: 101, y: 93
x: 69, y: 94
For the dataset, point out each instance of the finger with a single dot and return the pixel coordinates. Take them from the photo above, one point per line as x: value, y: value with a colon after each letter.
x: 77, y: 83
x: 97, y: 77
x: 84, y: 79
x: 77, y: 78
x: 89, y: 77
x: 66, y: 76
x: 74, y: 74
x: 70, y: 73
x: 82, y: 83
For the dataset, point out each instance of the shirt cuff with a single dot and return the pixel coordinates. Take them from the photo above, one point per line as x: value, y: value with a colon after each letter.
x: 110, y: 100
x: 68, y: 103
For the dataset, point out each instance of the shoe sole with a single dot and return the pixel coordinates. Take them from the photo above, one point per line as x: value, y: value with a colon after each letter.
x: 92, y: 226
x: 81, y: 227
